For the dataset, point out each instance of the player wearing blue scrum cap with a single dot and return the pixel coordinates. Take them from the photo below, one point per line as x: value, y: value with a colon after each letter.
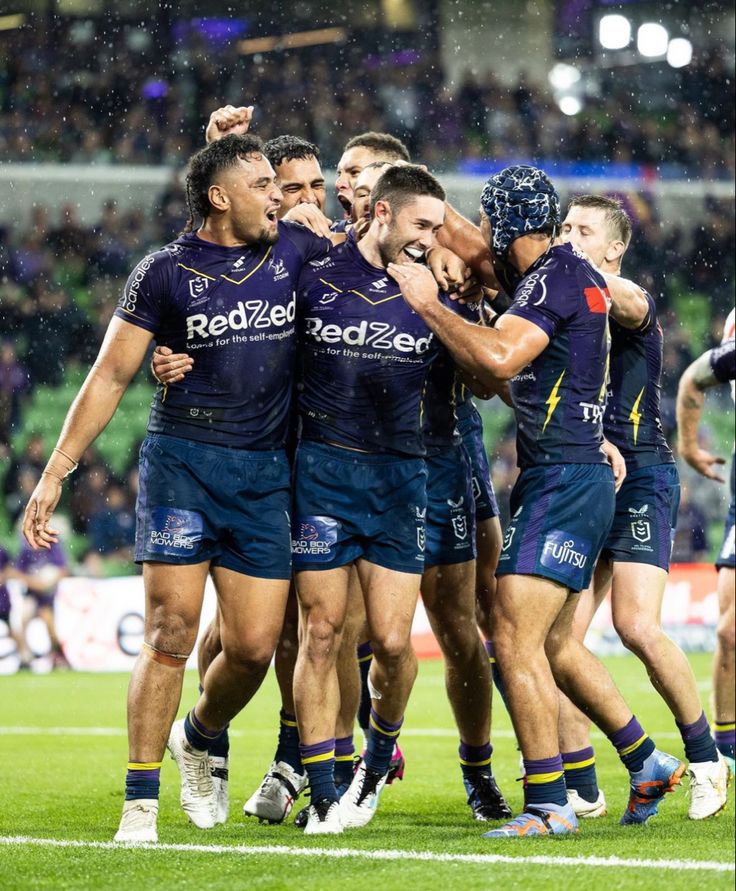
x: 552, y: 348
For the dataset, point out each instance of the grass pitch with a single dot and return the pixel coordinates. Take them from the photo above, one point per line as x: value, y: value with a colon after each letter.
x: 62, y: 763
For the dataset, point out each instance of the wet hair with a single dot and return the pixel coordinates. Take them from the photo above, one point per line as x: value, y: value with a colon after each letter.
x: 389, y: 146
x: 289, y: 148
x: 399, y: 185
x: 617, y: 219
x: 205, y: 164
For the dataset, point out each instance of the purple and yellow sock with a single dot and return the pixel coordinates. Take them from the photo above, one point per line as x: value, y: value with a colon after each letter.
x: 496, y: 673
x: 475, y: 759
x: 699, y: 744
x: 726, y: 738
x: 382, y: 737
x: 319, y: 762
x: 633, y: 745
x: 198, y: 736
x: 287, y: 749
x: 365, y: 657
x: 544, y: 782
x: 142, y: 780
x: 344, y: 756
x: 580, y: 773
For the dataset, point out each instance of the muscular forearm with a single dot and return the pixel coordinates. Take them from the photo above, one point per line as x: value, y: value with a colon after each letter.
x: 629, y: 306
x: 465, y: 240
x: 690, y: 401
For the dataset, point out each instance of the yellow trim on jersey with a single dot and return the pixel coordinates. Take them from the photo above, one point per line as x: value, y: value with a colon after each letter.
x: 144, y: 765
x: 131, y: 313
x: 553, y: 400
x: 381, y: 730
x: 325, y: 756
x: 330, y: 285
x: 576, y: 765
x: 635, y: 416
x: 632, y: 748
x: 197, y: 272
x: 253, y: 271
x: 536, y: 778
x: 376, y: 302
x: 724, y: 728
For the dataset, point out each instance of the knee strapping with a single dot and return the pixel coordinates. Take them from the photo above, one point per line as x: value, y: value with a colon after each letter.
x: 173, y: 660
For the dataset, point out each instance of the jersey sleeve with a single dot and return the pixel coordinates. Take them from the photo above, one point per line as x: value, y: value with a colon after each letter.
x: 309, y: 245
x: 541, y: 303
x: 146, y: 292
x: 723, y: 361
x: 651, y: 317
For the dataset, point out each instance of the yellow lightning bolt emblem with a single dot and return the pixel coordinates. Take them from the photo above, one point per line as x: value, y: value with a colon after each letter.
x: 635, y: 417
x: 553, y: 401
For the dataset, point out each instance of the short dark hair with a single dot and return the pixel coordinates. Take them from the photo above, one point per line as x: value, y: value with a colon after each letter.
x: 617, y: 219
x: 400, y: 184
x: 289, y: 148
x: 389, y: 146
x: 205, y: 164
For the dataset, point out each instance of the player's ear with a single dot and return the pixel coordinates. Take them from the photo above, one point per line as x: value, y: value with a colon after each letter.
x: 219, y: 198
x: 382, y: 211
x: 615, y: 251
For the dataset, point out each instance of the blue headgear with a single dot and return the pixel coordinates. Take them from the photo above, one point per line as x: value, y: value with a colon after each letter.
x: 518, y: 201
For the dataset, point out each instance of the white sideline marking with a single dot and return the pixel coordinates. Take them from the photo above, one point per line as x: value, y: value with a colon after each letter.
x: 440, y: 732
x: 345, y: 853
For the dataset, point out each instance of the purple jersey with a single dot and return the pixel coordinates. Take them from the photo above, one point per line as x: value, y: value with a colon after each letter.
x: 232, y: 309
x: 4, y: 593
x: 365, y: 356
x: 559, y: 398
x: 32, y: 562
x: 632, y: 420
x: 723, y: 361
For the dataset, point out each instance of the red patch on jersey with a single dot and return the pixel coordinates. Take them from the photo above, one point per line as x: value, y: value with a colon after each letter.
x: 597, y: 299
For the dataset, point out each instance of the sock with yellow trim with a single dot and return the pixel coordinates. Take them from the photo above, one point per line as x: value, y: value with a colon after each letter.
x: 142, y: 780
x: 319, y: 762
x: 580, y: 773
x: 288, y: 747
x: 344, y: 754
x: 633, y: 745
x: 198, y: 736
x: 699, y: 744
x: 365, y: 657
x: 544, y: 782
x: 726, y: 738
x: 496, y: 673
x: 475, y: 760
x: 382, y: 737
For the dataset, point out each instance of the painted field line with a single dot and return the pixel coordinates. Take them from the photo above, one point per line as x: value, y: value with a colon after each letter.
x: 348, y: 853
x: 439, y: 732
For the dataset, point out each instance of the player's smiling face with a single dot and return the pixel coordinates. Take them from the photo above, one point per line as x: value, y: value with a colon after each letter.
x: 586, y: 228
x: 348, y: 169
x: 253, y: 200
x: 406, y: 235
x: 301, y: 182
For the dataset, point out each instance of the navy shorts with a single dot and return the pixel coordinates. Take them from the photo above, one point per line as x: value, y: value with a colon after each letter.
x: 470, y: 427
x: 560, y: 518
x: 450, y: 508
x: 646, y: 516
x: 351, y: 504
x: 199, y: 502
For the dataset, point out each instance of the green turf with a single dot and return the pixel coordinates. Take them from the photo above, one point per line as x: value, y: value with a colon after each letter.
x: 69, y: 787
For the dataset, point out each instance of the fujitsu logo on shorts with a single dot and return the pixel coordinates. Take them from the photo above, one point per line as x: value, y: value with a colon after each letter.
x: 565, y: 550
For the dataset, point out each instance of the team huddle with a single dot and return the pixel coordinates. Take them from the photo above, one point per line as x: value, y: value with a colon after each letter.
x: 314, y: 447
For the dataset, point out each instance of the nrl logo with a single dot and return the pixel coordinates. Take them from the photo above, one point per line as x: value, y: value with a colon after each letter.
x: 508, y: 538
x: 421, y: 538
x: 460, y: 527
x: 641, y: 527
x: 198, y: 286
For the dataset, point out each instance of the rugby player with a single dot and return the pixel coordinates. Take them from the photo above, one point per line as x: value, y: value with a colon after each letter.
x: 715, y: 367
x: 214, y: 476
x: 635, y: 558
x: 552, y: 346
x: 360, y: 482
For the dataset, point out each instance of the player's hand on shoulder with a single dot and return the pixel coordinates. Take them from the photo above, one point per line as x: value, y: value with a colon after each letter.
x: 311, y: 216
x: 418, y: 285
x: 169, y: 367
x: 228, y: 120
x: 705, y: 463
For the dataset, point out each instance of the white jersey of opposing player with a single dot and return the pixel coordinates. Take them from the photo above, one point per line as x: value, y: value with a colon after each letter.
x: 729, y: 329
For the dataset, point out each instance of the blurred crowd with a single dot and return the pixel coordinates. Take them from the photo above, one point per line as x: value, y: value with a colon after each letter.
x: 135, y: 101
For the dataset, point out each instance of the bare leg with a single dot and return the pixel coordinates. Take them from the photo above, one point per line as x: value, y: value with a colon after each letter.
x: 286, y: 652
x: 488, y: 539
x: 724, y: 662
x: 348, y: 673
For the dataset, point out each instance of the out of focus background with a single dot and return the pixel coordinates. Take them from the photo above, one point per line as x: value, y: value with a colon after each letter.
x: 101, y: 105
